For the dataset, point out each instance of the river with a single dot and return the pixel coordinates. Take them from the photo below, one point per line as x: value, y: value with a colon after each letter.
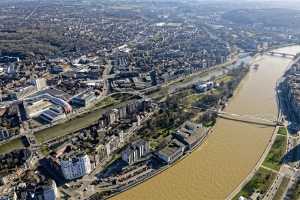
x: 231, y: 151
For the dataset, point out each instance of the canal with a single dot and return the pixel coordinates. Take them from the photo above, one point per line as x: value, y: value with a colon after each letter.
x: 230, y: 153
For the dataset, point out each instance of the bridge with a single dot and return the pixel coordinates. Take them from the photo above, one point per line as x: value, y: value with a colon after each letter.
x: 249, y: 119
x: 285, y: 55
x: 244, y: 118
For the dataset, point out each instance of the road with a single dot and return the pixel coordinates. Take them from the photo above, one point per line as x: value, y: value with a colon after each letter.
x: 294, y: 178
x: 32, y: 12
x: 273, y: 189
x: 285, y: 171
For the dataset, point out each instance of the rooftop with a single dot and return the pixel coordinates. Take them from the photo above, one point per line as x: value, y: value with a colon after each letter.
x: 172, y: 148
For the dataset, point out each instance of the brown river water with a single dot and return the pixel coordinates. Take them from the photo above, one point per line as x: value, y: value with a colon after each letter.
x: 229, y: 154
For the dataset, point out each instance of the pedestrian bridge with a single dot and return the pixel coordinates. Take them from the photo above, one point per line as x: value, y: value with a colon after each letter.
x: 285, y: 55
x: 250, y: 119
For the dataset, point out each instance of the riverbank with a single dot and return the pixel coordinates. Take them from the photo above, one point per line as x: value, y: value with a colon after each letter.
x: 230, y: 153
x: 268, y: 156
x: 260, y: 179
x: 256, y: 168
x: 239, y: 79
x: 161, y: 170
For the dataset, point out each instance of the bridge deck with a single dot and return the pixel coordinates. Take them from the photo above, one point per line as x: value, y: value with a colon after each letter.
x: 244, y: 118
x: 281, y: 54
x: 247, y: 120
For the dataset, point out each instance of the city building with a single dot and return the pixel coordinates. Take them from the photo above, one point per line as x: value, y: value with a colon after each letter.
x: 98, y: 155
x: 56, y: 69
x: 135, y: 151
x: 40, y: 84
x: 74, y: 165
x: 191, y: 134
x: 44, y: 190
x: 4, y: 134
x: 114, y: 116
x: 23, y: 92
x: 203, y: 87
x: 50, y: 191
x: 112, y: 144
x: 292, y: 85
x: 123, y: 112
x: 83, y: 99
x: 9, y: 196
x: 129, y: 176
x: 52, y: 114
x: 171, y: 152
x: 35, y: 107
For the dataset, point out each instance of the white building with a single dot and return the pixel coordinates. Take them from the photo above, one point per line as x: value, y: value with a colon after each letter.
x: 171, y: 152
x: 135, y: 151
x: 203, y: 87
x: 112, y: 145
x: 4, y: 134
x: 50, y: 191
x: 40, y: 84
x: 75, y: 166
x: 114, y: 116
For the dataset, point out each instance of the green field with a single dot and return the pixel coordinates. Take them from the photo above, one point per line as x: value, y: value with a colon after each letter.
x: 9, y: 146
x: 189, y: 100
x: 260, y: 182
x: 282, y: 131
x: 274, y: 157
x: 224, y: 79
x: 106, y: 102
